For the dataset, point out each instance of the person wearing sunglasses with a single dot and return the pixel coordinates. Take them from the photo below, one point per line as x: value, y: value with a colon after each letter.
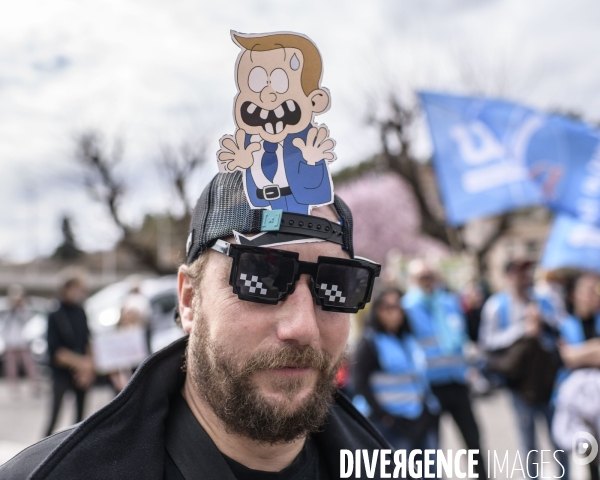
x: 266, y: 298
x: 390, y: 375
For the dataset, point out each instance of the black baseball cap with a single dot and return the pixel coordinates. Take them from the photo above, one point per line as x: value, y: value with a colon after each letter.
x: 223, y: 208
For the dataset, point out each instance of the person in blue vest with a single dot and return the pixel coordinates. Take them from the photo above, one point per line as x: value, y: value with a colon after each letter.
x: 580, y: 334
x: 437, y: 321
x: 584, y: 323
x: 283, y: 153
x: 390, y: 374
x: 519, y: 329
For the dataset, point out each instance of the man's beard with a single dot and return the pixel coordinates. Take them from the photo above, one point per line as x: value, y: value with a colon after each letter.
x: 235, y: 399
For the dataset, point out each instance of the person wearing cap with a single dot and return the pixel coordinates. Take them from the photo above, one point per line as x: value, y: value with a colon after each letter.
x: 249, y: 393
x: 519, y: 333
x: 515, y: 312
x: 436, y: 319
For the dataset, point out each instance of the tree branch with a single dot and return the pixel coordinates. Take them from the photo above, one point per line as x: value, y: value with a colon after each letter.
x: 103, y: 185
x: 406, y: 166
x: 180, y: 164
x: 503, y: 224
x: 396, y: 156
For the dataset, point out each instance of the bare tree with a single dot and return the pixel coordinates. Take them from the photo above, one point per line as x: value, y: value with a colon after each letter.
x: 179, y: 164
x: 398, y: 158
x: 99, y: 176
x: 104, y: 184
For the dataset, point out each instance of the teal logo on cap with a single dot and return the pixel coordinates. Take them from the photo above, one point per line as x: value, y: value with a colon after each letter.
x: 271, y: 220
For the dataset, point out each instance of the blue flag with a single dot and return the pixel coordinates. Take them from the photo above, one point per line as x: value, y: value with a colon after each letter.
x: 493, y: 156
x: 564, y: 159
x: 479, y: 156
x: 572, y: 243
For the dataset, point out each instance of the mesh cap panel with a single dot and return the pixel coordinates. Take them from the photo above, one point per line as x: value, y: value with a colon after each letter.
x: 223, y: 208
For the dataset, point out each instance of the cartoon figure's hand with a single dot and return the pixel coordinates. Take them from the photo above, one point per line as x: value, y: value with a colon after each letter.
x: 235, y: 154
x: 317, y: 146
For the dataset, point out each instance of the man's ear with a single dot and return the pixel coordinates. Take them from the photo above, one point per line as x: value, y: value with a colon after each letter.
x: 185, y: 294
x: 320, y: 100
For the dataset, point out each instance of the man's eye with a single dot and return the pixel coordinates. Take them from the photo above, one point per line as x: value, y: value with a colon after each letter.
x: 279, y: 80
x: 257, y: 80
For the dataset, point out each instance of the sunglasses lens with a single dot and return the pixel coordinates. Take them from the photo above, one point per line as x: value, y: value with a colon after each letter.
x: 264, y: 276
x: 341, y: 286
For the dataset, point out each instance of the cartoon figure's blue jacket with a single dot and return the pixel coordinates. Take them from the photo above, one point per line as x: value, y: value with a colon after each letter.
x: 309, y: 184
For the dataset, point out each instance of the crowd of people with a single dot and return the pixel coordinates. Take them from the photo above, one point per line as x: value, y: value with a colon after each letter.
x: 541, y: 341
x: 250, y: 393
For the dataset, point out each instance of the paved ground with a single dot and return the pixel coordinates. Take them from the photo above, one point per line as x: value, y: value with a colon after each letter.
x: 23, y: 418
x: 497, y: 424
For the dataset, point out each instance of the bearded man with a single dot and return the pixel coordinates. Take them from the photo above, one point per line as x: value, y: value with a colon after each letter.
x: 250, y: 393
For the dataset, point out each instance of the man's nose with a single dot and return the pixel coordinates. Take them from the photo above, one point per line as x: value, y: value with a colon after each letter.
x: 268, y: 95
x: 299, y: 320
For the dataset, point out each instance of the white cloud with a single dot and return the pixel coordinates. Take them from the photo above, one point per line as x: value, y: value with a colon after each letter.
x: 155, y: 71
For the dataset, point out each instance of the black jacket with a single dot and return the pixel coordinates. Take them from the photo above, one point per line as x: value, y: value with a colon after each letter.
x: 125, y: 439
x: 67, y: 328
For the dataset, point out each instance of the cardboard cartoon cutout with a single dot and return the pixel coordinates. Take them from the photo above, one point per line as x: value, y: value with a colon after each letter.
x: 283, y: 154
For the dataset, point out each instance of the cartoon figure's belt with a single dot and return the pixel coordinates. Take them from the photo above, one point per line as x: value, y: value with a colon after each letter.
x: 272, y: 192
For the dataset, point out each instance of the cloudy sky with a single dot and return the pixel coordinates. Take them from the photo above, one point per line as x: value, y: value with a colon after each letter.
x: 153, y: 73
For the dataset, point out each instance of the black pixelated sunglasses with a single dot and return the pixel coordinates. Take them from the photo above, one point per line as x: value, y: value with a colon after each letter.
x: 267, y: 275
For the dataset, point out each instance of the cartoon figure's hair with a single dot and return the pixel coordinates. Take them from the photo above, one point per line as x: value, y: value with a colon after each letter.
x: 313, y: 66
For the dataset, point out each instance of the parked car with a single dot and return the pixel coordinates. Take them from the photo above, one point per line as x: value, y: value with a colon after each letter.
x: 104, y: 308
x: 103, y: 311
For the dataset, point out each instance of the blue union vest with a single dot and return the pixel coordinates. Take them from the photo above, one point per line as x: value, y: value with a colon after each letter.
x: 438, y: 324
x: 571, y: 332
x: 401, y: 386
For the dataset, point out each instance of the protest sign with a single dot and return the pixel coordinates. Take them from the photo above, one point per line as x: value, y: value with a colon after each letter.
x: 119, y: 349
